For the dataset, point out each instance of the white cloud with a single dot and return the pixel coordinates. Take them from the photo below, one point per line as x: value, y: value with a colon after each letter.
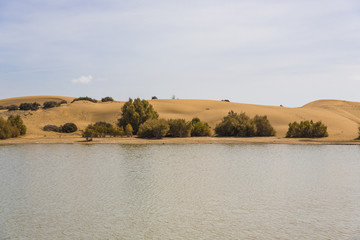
x: 82, y: 79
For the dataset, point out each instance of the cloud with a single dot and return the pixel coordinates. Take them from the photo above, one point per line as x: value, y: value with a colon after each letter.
x: 82, y: 79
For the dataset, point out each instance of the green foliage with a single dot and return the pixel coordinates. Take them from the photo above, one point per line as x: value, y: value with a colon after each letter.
x: 136, y: 112
x: 102, y: 129
x: 12, y: 127
x: 263, y: 126
x: 238, y: 125
x: 85, y: 99
x: 129, y: 130
x: 68, y: 128
x: 154, y: 128
x: 179, y: 128
x: 29, y: 106
x: 307, y: 129
x: 52, y: 128
x: 199, y: 129
x: 12, y: 107
x: 63, y: 102
x: 107, y: 99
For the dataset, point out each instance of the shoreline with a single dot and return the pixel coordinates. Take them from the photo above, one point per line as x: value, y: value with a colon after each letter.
x: 188, y: 140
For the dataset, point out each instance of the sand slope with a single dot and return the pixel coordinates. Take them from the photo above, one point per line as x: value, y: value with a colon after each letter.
x: 341, y: 117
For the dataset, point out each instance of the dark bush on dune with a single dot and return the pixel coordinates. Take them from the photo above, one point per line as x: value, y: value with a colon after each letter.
x: 52, y: 128
x: 263, y: 126
x: 307, y: 129
x: 2, y: 107
x: 154, y: 97
x: 63, y: 102
x: 85, y: 99
x: 12, y: 107
x: 51, y: 104
x: 179, y: 128
x: 107, y: 99
x: 29, y: 106
x: 68, y: 128
x: 154, y: 128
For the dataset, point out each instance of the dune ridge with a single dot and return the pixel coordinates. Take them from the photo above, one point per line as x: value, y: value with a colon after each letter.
x: 341, y: 117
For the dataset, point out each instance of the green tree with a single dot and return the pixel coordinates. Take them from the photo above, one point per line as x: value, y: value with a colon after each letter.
x: 136, y: 112
x: 239, y: 125
x: 263, y: 126
x: 128, y: 130
x: 199, y: 128
x: 307, y: 129
x: 18, y: 123
x: 179, y: 128
x: 154, y: 128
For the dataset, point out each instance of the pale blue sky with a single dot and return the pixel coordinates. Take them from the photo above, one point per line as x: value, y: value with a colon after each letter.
x: 268, y: 52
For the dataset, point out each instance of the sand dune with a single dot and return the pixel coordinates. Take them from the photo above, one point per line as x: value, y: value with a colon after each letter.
x: 341, y: 117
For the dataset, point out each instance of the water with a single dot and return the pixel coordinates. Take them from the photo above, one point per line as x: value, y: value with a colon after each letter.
x: 209, y: 191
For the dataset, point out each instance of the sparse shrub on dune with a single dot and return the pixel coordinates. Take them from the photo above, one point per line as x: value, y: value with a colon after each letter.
x: 199, y: 129
x: 12, y: 127
x: 179, y: 128
x: 136, y: 112
x: 107, y: 99
x: 51, y: 104
x: 12, y: 107
x: 68, y: 128
x: 63, y: 102
x: 154, y: 128
x: 51, y: 128
x: 102, y: 129
x: 29, y: 106
x: 307, y: 129
x: 154, y: 98
x: 85, y: 99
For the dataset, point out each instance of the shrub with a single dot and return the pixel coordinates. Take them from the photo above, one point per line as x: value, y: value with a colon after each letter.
x: 263, y: 126
x: 51, y: 104
x: 52, y: 128
x: 63, y: 102
x: 29, y: 106
x: 239, y: 125
x: 85, y: 99
x: 307, y: 129
x: 102, y: 129
x: 68, y: 128
x: 12, y: 127
x: 107, y: 99
x: 199, y: 128
x: 153, y: 128
x: 129, y: 130
x: 225, y: 100
x: 154, y: 97
x: 12, y: 107
x: 136, y: 112
x: 2, y: 107
x: 179, y: 128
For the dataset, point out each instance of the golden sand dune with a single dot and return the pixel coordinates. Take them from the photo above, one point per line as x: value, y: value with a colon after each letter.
x: 341, y: 117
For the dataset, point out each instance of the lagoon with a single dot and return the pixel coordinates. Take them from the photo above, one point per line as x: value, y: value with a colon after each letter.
x: 195, y: 191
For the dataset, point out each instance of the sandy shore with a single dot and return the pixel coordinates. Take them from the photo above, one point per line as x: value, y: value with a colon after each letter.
x: 190, y: 140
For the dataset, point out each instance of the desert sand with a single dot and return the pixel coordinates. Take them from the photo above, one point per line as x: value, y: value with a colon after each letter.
x: 341, y: 117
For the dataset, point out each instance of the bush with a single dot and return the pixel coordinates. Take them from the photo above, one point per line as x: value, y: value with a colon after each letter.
x: 239, y: 125
x: 225, y: 100
x: 51, y: 104
x: 12, y: 107
x: 107, y: 99
x: 102, y: 129
x: 68, y: 128
x: 129, y: 130
x: 263, y: 126
x: 2, y: 107
x: 136, y: 112
x: 29, y: 106
x: 307, y: 129
x: 199, y: 129
x: 153, y: 98
x: 85, y: 99
x: 153, y: 128
x: 179, y: 128
x: 52, y: 128
x: 12, y: 127
x: 63, y: 102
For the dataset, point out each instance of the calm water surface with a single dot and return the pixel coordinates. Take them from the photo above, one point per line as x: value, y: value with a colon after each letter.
x: 209, y: 191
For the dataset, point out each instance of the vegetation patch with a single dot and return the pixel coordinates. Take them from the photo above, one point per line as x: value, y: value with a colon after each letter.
x: 179, y: 128
x: 85, y: 99
x: 107, y: 99
x: 199, y: 129
x: 51, y: 128
x: 101, y: 130
x: 136, y: 112
x: 154, y: 128
x: 12, y: 107
x: 68, y: 128
x: 12, y: 127
x: 29, y: 106
x: 240, y: 125
x: 307, y: 129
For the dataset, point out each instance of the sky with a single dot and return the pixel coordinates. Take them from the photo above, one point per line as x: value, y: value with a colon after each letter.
x: 268, y: 52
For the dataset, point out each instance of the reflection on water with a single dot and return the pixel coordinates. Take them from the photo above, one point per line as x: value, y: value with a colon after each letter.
x: 179, y: 192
